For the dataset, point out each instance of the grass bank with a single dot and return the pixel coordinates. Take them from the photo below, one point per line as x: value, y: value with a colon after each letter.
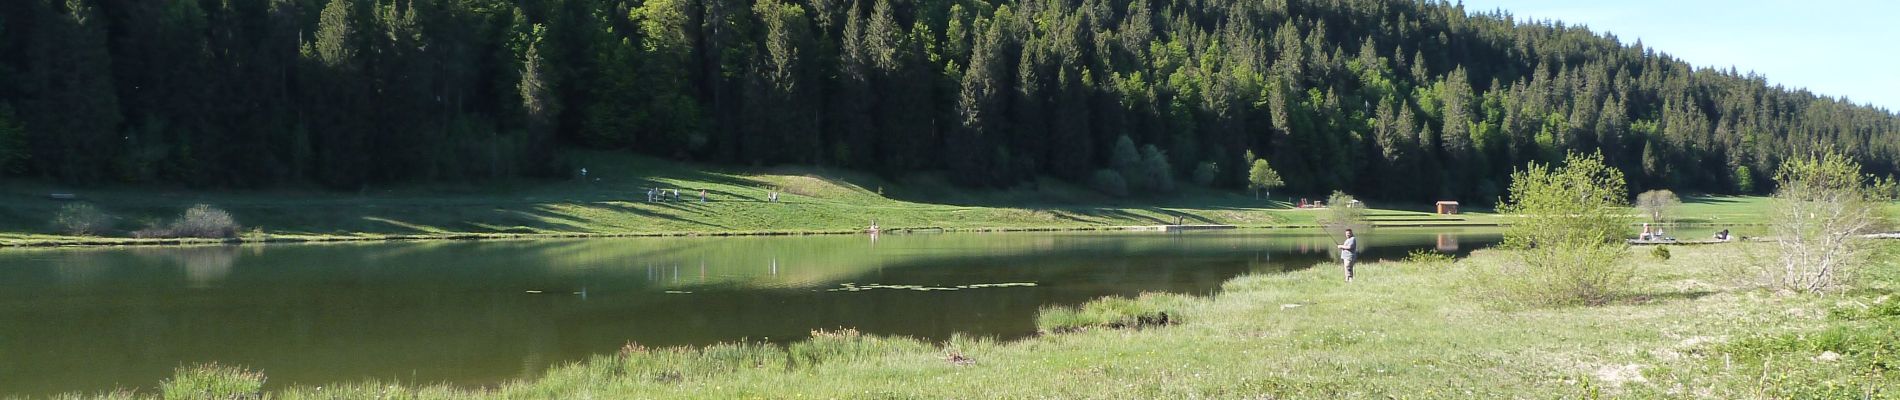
x: 611, y: 201
x: 1404, y: 330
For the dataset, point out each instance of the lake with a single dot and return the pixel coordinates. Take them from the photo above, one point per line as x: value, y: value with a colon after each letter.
x: 484, y: 312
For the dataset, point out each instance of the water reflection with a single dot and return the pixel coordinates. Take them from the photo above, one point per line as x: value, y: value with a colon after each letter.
x: 203, y: 266
x: 1447, y: 243
x: 480, y: 312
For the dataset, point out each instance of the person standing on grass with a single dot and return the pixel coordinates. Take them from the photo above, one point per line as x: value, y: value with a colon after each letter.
x: 1347, y: 251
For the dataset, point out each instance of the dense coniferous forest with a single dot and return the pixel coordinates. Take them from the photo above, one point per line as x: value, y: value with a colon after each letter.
x: 1388, y: 99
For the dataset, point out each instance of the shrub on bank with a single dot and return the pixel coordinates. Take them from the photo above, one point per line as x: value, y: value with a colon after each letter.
x: 1109, y: 182
x: 81, y: 219
x: 1568, y: 236
x: 1821, y: 205
x: 200, y: 221
x: 204, y: 221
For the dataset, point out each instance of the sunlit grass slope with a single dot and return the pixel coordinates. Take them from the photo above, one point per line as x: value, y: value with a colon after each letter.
x: 612, y: 200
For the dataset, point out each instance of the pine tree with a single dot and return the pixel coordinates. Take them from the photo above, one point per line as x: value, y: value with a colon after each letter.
x: 538, y: 98
x: 73, y: 115
x: 669, y: 118
x: 352, y: 92
x: 13, y: 149
x: 981, y: 102
x: 787, y: 37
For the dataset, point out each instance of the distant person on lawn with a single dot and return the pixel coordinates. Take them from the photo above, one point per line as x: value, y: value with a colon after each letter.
x: 1348, y: 250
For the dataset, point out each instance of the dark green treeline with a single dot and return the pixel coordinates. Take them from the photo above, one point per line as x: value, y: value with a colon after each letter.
x: 1398, y: 100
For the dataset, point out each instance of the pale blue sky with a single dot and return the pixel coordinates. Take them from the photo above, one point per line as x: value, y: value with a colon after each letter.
x: 1832, y: 47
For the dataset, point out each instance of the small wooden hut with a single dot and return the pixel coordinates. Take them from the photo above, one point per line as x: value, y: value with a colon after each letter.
x: 1448, y: 207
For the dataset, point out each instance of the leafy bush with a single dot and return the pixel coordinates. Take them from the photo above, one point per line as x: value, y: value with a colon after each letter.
x: 1261, y: 177
x: 1154, y: 164
x: 81, y: 219
x: 1110, y: 182
x: 1660, y: 252
x: 1143, y: 169
x: 1205, y: 172
x: 1744, y: 180
x: 1343, y: 212
x: 1885, y: 188
x: 1820, y: 207
x: 213, y: 381
x: 200, y: 221
x: 204, y: 221
x: 1568, y: 235
x: 1125, y: 159
x: 1657, y: 204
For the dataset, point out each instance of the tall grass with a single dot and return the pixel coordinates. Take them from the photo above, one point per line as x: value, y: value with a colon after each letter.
x: 847, y: 345
x: 1148, y: 309
x: 213, y: 381
x: 1856, y: 355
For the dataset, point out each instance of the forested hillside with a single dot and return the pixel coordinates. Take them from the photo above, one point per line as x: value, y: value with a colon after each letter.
x: 1388, y: 99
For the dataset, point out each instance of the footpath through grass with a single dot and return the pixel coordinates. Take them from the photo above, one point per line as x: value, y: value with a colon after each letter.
x: 1404, y: 330
x: 612, y: 201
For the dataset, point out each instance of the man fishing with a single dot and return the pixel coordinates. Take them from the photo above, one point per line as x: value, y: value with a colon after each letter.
x: 1347, y: 251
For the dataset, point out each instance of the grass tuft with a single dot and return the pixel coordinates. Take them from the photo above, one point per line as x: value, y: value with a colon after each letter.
x: 1428, y: 257
x: 847, y: 345
x: 1149, y: 309
x: 213, y: 381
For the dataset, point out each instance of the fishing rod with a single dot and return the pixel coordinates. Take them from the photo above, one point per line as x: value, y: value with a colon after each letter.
x: 1328, y: 230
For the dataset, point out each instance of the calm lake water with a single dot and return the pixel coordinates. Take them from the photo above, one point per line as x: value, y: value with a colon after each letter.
x: 476, y: 313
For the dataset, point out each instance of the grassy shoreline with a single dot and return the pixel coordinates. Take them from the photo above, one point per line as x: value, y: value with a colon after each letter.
x: 611, y: 203
x: 1405, y: 329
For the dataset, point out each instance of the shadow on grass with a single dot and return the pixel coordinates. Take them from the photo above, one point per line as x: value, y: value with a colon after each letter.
x: 1711, y: 200
x: 1652, y: 298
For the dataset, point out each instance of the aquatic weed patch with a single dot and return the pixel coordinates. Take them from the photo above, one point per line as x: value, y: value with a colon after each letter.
x: 853, y: 287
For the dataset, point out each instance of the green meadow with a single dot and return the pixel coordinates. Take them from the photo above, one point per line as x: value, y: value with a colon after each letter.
x: 1689, y: 329
x: 612, y: 201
